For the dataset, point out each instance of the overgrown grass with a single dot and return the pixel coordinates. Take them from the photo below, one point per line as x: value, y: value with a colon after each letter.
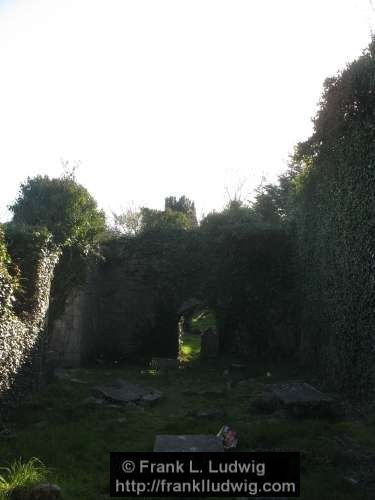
x: 21, y: 475
x: 74, y: 439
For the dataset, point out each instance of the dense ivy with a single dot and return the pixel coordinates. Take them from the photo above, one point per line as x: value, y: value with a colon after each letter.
x: 50, y: 215
x: 23, y: 308
x: 242, y: 271
x: 7, y: 283
x: 335, y: 206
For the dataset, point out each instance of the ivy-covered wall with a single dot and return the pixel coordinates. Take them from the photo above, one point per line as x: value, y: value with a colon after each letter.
x: 246, y: 278
x: 336, y: 231
x: 253, y: 292
x: 23, y: 308
x: 142, y: 284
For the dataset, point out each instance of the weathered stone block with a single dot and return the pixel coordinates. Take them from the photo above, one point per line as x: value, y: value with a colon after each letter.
x: 188, y: 443
x: 123, y: 392
x: 304, y: 400
x: 164, y: 363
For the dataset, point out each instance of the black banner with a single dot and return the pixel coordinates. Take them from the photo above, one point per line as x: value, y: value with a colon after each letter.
x: 231, y: 474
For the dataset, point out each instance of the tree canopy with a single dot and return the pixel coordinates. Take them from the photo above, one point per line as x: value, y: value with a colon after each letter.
x: 60, y: 205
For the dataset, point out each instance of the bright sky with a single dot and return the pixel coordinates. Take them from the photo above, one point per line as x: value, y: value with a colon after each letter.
x: 165, y: 97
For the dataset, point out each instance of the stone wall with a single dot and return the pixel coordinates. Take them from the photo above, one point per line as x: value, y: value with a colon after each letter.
x: 131, y: 302
x: 72, y: 334
x: 65, y: 343
x: 22, y: 339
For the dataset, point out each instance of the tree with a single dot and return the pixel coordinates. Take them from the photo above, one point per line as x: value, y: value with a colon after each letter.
x: 60, y: 205
x: 161, y: 220
x: 182, y: 205
x: 274, y: 204
x: 236, y: 218
x: 129, y: 221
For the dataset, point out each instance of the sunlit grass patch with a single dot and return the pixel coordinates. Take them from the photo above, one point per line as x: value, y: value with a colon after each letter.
x: 21, y: 476
x: 190, y: 348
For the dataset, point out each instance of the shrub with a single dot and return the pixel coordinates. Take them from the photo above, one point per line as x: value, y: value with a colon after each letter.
x: 61, y: 206
x: 21, y: 476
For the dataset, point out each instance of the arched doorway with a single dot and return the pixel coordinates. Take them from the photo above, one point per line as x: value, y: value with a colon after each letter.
x: 195, y: 318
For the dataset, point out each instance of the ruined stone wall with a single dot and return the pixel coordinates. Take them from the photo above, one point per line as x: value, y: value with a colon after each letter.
x: 248, y: 281
x: 141, y: 286
x: 130, y: 304
x: 72, y: 335
x: 65, y: 343
x: 22, y: 340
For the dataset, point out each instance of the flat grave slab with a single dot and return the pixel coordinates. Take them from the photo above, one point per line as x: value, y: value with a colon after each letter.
x: 123, y: 392
x: 302, y: 399
x: 188, y: 443
x: 299, y: 392
x: 165, y: 363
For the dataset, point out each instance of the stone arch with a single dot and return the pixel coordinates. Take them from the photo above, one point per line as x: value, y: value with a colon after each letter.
x: 145, y: 282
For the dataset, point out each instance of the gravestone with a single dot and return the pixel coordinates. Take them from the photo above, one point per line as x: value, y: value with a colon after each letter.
x: 121, y: 391
x: 303, y: 399
x: 164, y: 363
x: 209, y: 414
x: 188, y: 443
x: 209, y: 344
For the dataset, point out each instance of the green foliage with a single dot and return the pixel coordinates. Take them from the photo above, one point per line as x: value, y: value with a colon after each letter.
x: 157, y: 220
x: 26, y: 245
x: 234, y: 263
x: 190, y: 348
x: 235, y: 219
x: 179, y: 214
x: 128, y: 222
x: 203, y: 320
x: 70, y: 274
x: 21, y: 476
x: 61, y: 206
x: 335, y: 207
x: 49, y: 213
x: 7, y: 283
x: 4, y: 256
x: 275, y: 203
x: 250, y: 284
x: 182, y: 205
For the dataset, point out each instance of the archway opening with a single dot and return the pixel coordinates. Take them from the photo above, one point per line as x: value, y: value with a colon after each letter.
x: 192, y: 324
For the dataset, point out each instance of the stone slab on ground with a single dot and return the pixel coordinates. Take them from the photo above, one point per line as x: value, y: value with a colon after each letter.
x: 212, y: 413
x: 165, y: 363
x: 188, y: 443
x: 298, y: 392
x: 303, y: 399
x: 121, y: 391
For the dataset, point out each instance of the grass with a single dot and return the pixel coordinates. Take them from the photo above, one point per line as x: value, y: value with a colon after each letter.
x: 21, y: 476
x: 190, y: 348
x: 74, y: 440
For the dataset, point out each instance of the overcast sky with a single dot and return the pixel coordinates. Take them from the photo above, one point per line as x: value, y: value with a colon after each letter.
x: 156, y: 98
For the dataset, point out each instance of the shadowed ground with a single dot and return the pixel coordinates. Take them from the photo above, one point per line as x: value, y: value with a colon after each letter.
x: 74, y: 438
